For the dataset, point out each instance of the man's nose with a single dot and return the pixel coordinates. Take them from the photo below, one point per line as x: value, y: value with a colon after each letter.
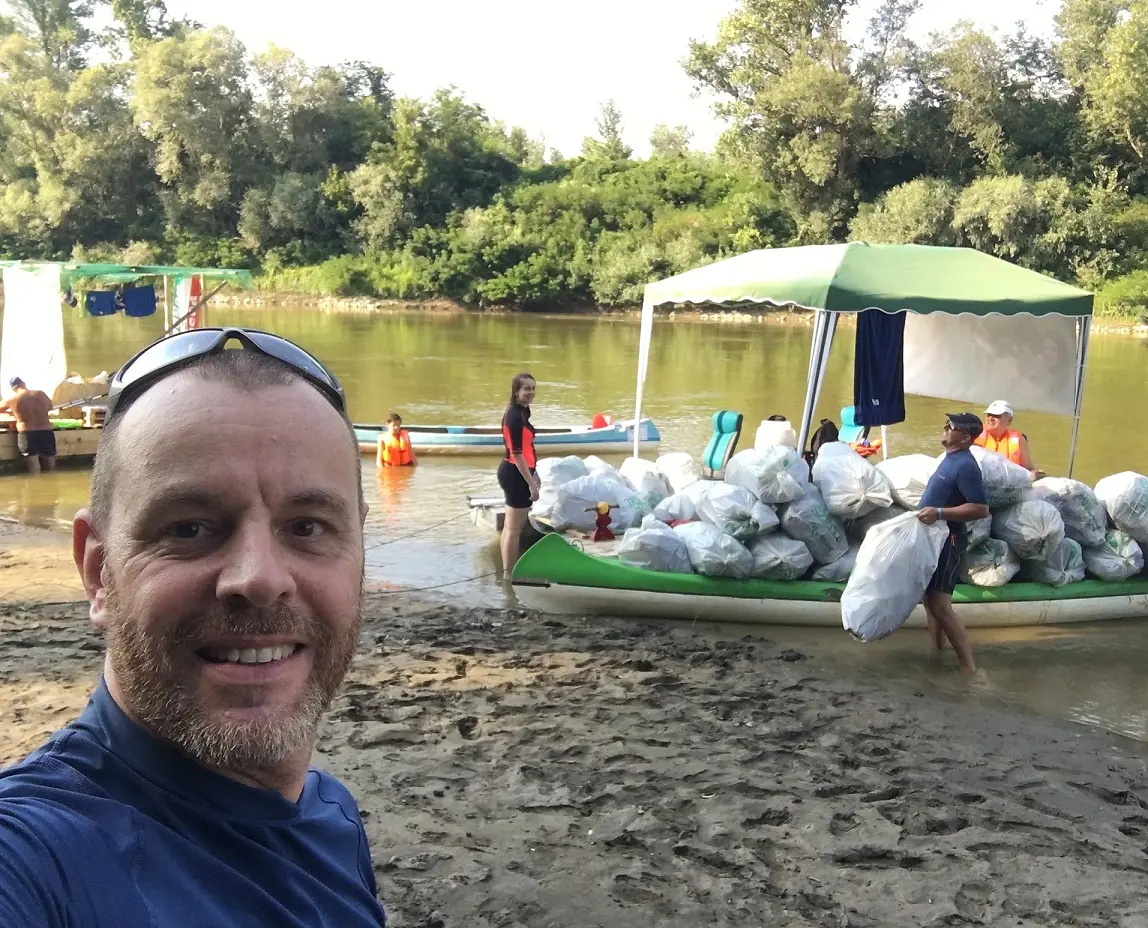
x: 256, y: 568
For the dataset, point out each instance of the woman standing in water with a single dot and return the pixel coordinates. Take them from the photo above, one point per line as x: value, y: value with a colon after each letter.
x: 516, y: 473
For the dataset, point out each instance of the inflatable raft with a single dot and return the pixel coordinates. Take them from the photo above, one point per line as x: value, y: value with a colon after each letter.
x: 557, y: 577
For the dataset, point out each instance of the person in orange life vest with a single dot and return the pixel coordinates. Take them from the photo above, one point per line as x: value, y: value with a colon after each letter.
x: 395, y: 445
x: 516, y: 472
x: 998, y: 436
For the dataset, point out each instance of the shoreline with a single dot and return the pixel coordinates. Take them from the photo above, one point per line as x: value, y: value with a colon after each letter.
x: 371, y: 305
x: 513, y: 769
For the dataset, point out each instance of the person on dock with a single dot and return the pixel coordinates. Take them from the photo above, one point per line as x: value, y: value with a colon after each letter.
x: 395, y: 445
x: 999, y: 436
x: 955, y: 494
x: 222, y: 556
x: 35, y: 436
x: 516, y: 472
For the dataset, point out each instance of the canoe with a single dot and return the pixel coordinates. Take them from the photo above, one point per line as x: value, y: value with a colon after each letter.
x: 489, y: 512
x: 555, y: 577
x: 616, y: 438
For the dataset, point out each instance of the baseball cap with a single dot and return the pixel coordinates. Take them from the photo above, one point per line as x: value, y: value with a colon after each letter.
x: 965, y: 422
x: 14, y: 381
x: 999, y: 408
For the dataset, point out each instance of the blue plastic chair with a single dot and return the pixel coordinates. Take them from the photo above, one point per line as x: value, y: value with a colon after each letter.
x: 722, y: 444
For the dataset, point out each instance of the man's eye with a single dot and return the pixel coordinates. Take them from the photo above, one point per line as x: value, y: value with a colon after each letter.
x: 307, y: 528
x: 187, y: 531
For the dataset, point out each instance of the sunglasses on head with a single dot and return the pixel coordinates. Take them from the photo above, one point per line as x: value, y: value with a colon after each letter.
x: 170, y: 354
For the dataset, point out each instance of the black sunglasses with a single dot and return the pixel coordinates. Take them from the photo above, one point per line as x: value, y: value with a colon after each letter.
x: 170, y: 354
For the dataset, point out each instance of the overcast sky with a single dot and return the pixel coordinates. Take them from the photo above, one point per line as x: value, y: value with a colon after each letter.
x: 545, y: 66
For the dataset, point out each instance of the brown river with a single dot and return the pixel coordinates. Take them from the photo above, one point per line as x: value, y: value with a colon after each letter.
x: 456, y: 369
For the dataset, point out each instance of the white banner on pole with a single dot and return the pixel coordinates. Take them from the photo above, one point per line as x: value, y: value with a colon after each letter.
x: 32, y: 342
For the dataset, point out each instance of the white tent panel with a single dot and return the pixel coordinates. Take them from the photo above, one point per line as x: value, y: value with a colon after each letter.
x: 32, y: 343
x: 1029, y: 361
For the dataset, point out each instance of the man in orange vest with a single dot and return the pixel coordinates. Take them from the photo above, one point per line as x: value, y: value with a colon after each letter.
x: 999, y: 437
x: 395, y: 445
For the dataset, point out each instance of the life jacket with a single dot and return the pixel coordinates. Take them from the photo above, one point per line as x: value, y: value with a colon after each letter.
x: 396, y: 449
x: 1008, y: 445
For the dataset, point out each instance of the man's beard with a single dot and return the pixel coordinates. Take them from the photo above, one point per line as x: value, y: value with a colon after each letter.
x: 154, y: 676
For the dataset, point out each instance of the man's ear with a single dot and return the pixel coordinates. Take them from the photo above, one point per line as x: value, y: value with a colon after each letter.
x: 88, y: 553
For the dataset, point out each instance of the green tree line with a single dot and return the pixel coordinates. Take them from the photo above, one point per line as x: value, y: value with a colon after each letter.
x: 130, y: 135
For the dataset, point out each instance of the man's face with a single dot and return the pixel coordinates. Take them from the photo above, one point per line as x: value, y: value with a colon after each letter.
x: 954, y: 439
x: 998, y: 422
x: 228, y: 578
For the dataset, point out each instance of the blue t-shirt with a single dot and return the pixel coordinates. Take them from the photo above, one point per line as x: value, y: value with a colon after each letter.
x: 956, y: 480
x: 106, y: 826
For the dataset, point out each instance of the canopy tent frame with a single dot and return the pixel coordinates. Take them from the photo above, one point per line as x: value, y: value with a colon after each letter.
x: 707, y: 286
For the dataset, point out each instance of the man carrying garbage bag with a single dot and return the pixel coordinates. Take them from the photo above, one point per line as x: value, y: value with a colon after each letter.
x: 954, y: 494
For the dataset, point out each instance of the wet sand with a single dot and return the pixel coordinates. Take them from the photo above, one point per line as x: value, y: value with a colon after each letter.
x: 519, y: 771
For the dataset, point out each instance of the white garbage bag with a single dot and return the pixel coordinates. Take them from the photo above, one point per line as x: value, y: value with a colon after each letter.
x: 679, y: 469
x: 1119, y: 558
x: 894, y: 566
x: 838, y: 571
x: 713, y: 552
x: 858, y: 528
x: 576, y: 500
x: 779, y: 557
x: 775, y: 432
x: 991, y: 563
x: 677, y: 508
x: 543, y: 507
x: 736, y: 511
x: 1125, y: 498
x: 646, y: 479
x: 595, y: 465
x: 980, y: 530
x: 557, y: 471
x: 809, y: 520
x: 774, y: 474
x: 1005, y: 482
x: 908, y: 475
x: 850, y: 485
x: 654, y: 546
x: 1084, y: 516
x: 1033, y: 529
x: 1066, y: 565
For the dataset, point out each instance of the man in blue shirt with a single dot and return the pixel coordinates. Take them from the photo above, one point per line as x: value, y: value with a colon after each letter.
x: 222, y: 557
x: 955, y: 494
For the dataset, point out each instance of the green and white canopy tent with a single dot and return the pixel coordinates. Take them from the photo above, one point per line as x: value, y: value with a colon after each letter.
x: 978, y: 328
x: 32, y: 342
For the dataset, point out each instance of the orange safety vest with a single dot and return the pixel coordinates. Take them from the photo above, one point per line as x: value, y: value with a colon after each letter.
x: 396, y: 449
x: 1009, y: 444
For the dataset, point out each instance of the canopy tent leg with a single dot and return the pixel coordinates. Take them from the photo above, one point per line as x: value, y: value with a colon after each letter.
x: 1083, y: 326
x: 884, y: 443
x: 646, y: 334
x: 824, y: 325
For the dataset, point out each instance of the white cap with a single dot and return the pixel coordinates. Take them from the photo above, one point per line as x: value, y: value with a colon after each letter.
x: 999, y: 408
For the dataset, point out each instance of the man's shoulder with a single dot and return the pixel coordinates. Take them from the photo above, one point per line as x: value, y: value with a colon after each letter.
x: 330, y: 791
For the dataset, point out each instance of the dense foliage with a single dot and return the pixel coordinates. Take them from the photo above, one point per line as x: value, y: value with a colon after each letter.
x: 126, y: 135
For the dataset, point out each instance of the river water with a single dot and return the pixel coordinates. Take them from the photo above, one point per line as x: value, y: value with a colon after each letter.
x: 456, y: 369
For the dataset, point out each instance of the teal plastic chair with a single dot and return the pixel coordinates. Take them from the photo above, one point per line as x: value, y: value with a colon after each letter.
x: 727, y: 430
x: 850, y: 430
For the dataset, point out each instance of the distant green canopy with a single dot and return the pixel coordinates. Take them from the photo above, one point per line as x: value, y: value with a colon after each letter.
x: 857, y: 276
x: 73, y: 273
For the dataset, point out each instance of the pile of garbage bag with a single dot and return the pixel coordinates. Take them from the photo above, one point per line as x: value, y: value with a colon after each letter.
x: 655, y: 546
x: 771, y: 518
x: 1118, y: 558
x: 774, y: 474
x: 736, y: 511
x: 850, y: 485
x: 808, y: 519
x: 990, y: 563
x: 779, y: 557
x: 1032, y: 528
x: 908, y: 475
x: 1064, y: 565
x: 713, y: 553
x: 894, y: 565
